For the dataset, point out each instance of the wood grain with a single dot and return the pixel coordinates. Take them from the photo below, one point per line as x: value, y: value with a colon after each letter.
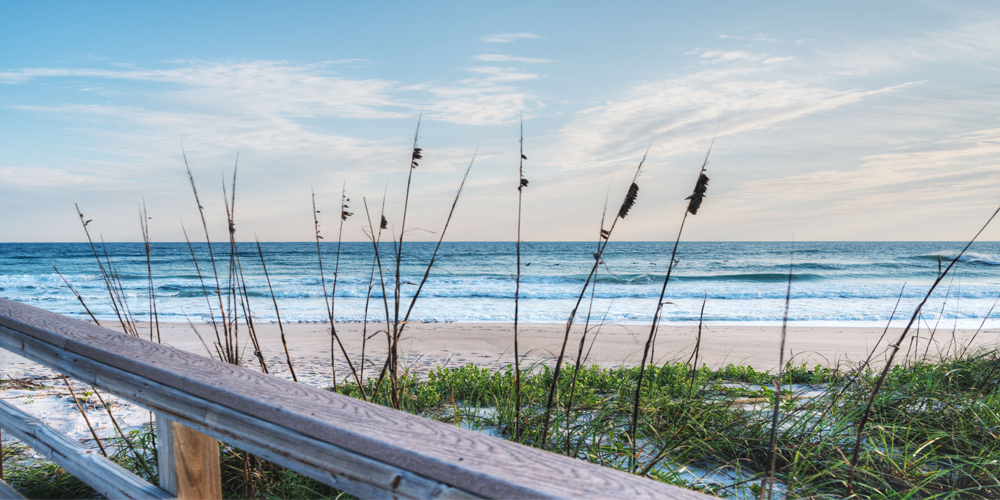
x: 105, y: 476
x: 188, y: 461
x: 351, y: 434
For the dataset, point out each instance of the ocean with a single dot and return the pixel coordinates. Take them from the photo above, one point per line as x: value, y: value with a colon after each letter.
x: 834, y: 283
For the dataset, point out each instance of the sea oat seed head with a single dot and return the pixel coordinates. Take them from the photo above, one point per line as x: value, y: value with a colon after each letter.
x: 416, y: 156
x: 633, y: 191
x: 698, y: 195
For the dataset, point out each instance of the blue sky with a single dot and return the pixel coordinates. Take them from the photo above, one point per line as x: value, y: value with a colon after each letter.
x: 836, y: 121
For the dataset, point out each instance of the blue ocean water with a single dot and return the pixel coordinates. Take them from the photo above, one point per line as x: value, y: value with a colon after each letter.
x: 853, y: 283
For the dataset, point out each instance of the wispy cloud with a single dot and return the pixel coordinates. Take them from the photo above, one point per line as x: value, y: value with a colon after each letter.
x: 948, y: 169
x: 975, y: 43
x: 508, y: 37
x: 498, y: 74
x: 686, y: 111
x: 276, y: 113
x: 277, y: 95
x: 718, y: 56
x: 48, y: 178
x: 759, y: 37
x: 503, y: 58
x: 884, y: 194
x: 258, y: 87
x: 487, y: 99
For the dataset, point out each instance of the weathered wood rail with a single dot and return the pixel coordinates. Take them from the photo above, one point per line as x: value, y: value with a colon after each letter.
x: 364, y: 449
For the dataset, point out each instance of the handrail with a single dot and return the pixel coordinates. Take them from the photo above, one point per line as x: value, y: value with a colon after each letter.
x: 357, y: 447
x: 105, y: 476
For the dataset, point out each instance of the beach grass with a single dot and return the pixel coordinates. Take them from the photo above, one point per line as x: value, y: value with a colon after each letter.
x: 932, y: 432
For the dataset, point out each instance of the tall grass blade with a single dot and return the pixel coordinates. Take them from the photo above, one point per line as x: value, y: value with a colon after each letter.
x: 153, y: 313
x: 104, y: 272
x: 636, y: 398
x: 521, y: 184
x: 277, y: 313
x: 76, y: 294
x: 606, y: 234
x: 773, y: 449
x: 229, y: 355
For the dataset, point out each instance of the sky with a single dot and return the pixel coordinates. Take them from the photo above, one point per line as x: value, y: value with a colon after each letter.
x: 832, y: 121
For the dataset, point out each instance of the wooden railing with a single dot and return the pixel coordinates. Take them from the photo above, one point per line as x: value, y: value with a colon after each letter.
x: 364, y: 449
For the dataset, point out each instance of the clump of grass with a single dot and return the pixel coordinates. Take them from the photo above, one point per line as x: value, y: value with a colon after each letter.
x: 44, y: 479
x: 116, y: 291
x: 267, y: 480
x: 40, y: 478
x: 932, y: 413
x: 396, y: 321
x: 330, y: 300
x: 692, y: 208
x: 895, y: 349
x: 630, y: 198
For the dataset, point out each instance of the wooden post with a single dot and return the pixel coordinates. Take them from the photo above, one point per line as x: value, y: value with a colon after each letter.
x: 188, y: 461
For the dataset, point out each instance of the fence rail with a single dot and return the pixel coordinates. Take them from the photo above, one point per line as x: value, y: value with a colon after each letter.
x: 361, y: 448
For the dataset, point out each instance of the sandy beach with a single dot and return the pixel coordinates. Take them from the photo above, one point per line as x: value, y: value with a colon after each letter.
x: 428, y: 345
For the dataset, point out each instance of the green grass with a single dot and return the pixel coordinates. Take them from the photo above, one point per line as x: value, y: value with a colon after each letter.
x: 934, y: 431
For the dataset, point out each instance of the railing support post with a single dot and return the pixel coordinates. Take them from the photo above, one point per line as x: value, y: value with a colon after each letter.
x: 188, y: 461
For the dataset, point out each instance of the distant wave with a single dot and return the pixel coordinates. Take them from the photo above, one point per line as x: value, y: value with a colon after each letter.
x: 971, y: 257
x: 755, y: 277
x: 719, y: 287
x: 472, y: 315
x: 638, y: 279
